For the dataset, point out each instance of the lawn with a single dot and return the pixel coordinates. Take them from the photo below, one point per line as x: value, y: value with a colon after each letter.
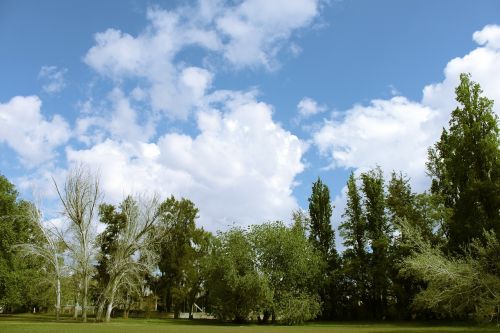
x: 42, y: 324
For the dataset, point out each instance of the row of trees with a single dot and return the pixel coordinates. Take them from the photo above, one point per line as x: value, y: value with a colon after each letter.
x: 432, y: 254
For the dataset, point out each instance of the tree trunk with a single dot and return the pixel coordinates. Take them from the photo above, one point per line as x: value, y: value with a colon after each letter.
x: 100, y: 310
x: 169, y: 299
x: 85, y: 291
x: 108, y: 310
x: 127, y: 307
x: 111, y: 299
x: 75, y: 315
x: 58, y: 298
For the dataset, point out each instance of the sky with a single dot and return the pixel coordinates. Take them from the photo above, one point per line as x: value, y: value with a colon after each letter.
x: 237, y: 105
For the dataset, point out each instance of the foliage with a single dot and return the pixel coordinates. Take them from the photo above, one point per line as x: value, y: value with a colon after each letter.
x: 455, y: 285
x: 465, y: 167
x: 320, y: 213
x: 354, y: 232
x: 295, y: 309
x: 182, y: 248
x: 378, y: 233
x: 17, y: 290
x: 235, y: 287
x: 292, y: 267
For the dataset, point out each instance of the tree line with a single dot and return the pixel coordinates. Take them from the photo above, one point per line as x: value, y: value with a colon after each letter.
x: 406, y: 255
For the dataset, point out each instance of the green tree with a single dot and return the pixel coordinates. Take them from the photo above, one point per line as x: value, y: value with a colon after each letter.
x: 322, y: 236
x: 456, y: 286
x: 182, y: 247
x: 465, y: 167
x: 292, y: 267
x: 402, y: 207
x: 235, y: 287
x: 17, y: 275
x: 320, y: 212
x: 378, y: 232
x: 353, y: 230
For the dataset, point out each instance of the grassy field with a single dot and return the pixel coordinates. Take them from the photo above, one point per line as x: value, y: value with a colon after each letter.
x: 42, y: 324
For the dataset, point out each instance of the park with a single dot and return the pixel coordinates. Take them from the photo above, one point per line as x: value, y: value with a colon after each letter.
x: 249, y: 166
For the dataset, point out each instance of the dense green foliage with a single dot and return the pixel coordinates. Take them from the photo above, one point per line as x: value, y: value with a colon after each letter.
x: 236, y: 288
x: 465, y: 167
x: 292, y: 267
x: 20, y: 278
x: 182, y: 247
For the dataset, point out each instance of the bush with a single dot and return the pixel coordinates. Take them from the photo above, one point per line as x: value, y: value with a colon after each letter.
x: 296, y: 309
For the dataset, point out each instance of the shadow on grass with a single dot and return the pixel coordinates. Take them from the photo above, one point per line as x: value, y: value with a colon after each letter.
x: 37, y: 318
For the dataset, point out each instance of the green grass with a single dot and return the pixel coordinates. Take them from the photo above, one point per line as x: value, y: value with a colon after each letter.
x: 42, y: 324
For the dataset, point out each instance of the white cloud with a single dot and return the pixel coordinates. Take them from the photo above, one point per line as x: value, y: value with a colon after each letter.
x: 255, y: 29
x: 150, y: 57
x: 489, y: 36
x: 396, y: 133
x: 391, y: 133
x: 240, y: 168
x: 308, y: 107
x: 53, y: 79
x: 28, y: 133
x: 116, y: 118
x: 483, y: 63
x: 248, y: 33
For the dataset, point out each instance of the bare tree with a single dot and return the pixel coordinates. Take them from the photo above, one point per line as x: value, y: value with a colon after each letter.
x: 133, y: 255
x: 49, y: 250
x: 80, y: 198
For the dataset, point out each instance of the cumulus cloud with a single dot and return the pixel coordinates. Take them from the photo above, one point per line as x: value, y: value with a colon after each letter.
x: 391, y: 133
x: 245, y: 34
x: 483, y: 63
x: 53, y: 78
x: 240, y: 168
x: 396, y: 133
x: 254, y: 29
x: 33, y: 137
x: 116, y: 117
x: 308, y: 107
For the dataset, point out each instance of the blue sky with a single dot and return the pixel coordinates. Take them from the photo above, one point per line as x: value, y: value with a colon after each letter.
x: 236, y: 105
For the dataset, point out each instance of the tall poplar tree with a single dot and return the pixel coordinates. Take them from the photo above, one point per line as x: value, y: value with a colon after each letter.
x: 378, y: 233
x: 320, y: 212
x: 465, y: 167
x: 353, y: 231
x: 322, y: 236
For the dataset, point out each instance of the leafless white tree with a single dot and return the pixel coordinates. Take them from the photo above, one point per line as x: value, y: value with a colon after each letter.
x: 80, y: 197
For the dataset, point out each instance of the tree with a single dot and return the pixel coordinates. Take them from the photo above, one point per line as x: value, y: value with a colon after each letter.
x: 402, y: 205
x: 17, y: 290
x: 353, y: 230
x: 80, y: 199
x: 182, y: 246
x: 378, y: 234
x: 130, y: 253
x: 292, y: 267
x: 465, y: 167
x: 322, y: 236
x: 455, y: 285
x: 320, y: 213
x: 235, y: 287
x: 49, y: 249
